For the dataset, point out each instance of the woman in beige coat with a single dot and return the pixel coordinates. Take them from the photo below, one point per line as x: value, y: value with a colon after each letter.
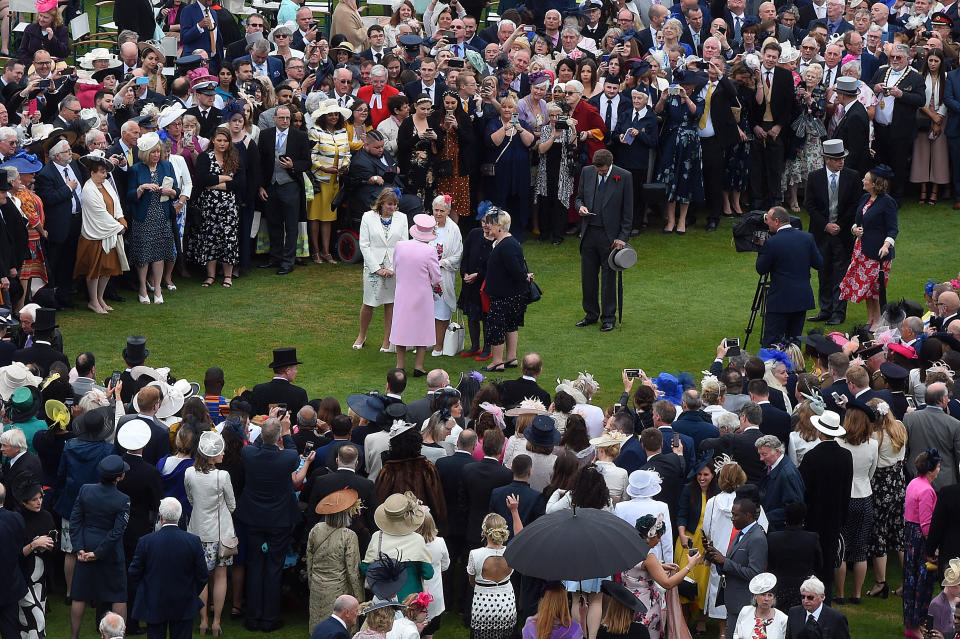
x: 333, y: 555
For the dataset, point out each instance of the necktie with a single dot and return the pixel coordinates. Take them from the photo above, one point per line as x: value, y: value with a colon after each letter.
x: 833, y: 184
x: 768, y: 80
x: 737, y: 23
x: 213, y: 35
x: 737, y: 539
x: 76, y: 198
x: 456, y: 50
x: 696, y: 40
x: 811, y: 618
x: 428, y: 91
x: 636, y: 119
x: 603, y: 180
x: 376, y: 58
x: 343, y: 99
x: 827, y: 77
x: 705, y: 118
x: 831, y: 27
x: 608, y: 117
x: 129, y: 157
x: 29, y: 341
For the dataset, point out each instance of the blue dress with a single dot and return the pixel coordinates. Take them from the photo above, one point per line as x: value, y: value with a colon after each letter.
x: 509, y: 189
x: 97, y: 524
x: 737, y: 166
x: 681, y: 168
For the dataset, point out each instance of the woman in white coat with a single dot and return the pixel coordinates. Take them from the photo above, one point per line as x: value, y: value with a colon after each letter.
x: 449, y: 245
x: 100, y: 253
x: 761, y: 619
x: 380, y: 230
x: 210, y: 493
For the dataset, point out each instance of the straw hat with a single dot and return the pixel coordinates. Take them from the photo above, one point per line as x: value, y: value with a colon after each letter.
x: 611, y: 438
x: 951, y: 574
x: 399, y: 514
x: 529, y: 406
x: 337, y: 502
x: 327, y: 107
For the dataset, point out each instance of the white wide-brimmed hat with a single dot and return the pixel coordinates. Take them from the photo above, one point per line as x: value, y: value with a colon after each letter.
x: 644, y: 483
x: 169, y: 114
x: 828, y: 424
x: 100, y: 53
x: 329, y: 106
x: 15, y: 376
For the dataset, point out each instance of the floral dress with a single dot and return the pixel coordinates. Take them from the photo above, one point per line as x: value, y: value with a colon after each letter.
x: 32, y: 210
x: 216, y: 239
x: 644, y: 588
x: 152, y: 237
x: 862, y: 280
x: 681, y: 167
x: 808, y: 128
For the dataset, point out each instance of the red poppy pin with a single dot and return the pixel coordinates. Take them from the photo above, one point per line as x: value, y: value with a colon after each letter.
x: 616, y: 178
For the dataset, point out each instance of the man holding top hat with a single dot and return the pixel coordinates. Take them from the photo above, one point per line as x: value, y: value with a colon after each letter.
x: 831, y: 199
x: 605, y: 205
x: 281, y: 389
x: 41, y: 352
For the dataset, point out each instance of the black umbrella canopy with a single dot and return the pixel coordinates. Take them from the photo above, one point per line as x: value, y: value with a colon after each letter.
x: 576, y: 544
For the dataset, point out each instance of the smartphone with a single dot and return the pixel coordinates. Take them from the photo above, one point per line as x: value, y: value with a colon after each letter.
x: 928, y: 623
x: 733, y: 346
x: 308, y: 447
x: 44, y: 84
x: 143, y: 80
x: 284, y: 157
x: 631, y: 373
x: 676, y: 440
x: 455, y: 63
x: 115, y: 377
x: 68, y: 71
x: 721, y: 29
x: 605, y: 58
x: 448, y: 35
x: 673, y: 90
x: 838, y: 398
x: 703, y: 65
x: 617, y: 408
x: 429, y: 130
x: 911, y: 402
x: 527, y: 29
x: 691, y: 551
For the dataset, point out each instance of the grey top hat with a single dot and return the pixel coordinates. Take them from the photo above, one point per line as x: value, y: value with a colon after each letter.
x: 623, y: 258
x: 847, y: 86
x: 834, y: 149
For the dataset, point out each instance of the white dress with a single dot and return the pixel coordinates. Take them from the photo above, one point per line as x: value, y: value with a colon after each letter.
x: 494, y: 610
x: 449, y: 244
x: 377, y: 242
x: 441, y: 561
x: 746, y: 623
x: 799, y: 447
x: 718, y: 525
x: 616, y: 479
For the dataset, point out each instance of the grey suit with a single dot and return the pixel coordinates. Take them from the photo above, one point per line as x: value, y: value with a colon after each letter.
x: 746, y: 559
x: 612, y: 219
x: 933, y: 428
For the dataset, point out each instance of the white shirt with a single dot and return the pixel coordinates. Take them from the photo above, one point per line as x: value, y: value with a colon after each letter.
x: 884, y: 112
x: 707, y: 131
x: 67, y: 174
x: 614, y: 105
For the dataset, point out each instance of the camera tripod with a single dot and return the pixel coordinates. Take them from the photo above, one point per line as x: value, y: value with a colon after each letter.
x: 759, y: 307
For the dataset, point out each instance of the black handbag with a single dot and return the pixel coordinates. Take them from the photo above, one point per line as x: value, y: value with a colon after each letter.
x: 923, y: 121
x: 444, y: 169
x: 534, y: 292
x: 688, y: 589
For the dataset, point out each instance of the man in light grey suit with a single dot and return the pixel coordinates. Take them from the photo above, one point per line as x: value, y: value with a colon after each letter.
x: 932, y: 427
x: 745, y: 559
x: 605, y: 204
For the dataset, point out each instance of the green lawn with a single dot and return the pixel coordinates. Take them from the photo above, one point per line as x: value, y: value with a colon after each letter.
x: 685, y: 294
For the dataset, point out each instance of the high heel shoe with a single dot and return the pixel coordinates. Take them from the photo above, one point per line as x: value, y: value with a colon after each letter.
x: 157, y: 298
x: 216, y: 630
x: 144, y: 299
x: 357, y: 347
x: 883, y: 591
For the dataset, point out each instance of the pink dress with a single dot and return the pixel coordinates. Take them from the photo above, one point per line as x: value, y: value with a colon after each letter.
x: 417, y: 270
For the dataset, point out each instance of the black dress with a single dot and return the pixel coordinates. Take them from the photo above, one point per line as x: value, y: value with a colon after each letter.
x: 476, y: 250
x: 34, y: 567
x: 636, y: 631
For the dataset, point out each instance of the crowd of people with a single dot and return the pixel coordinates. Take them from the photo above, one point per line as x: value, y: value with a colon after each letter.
x: 757, y: 494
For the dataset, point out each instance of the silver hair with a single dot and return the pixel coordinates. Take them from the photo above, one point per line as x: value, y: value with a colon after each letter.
x: 112, y: 626
x: 12, y: 173
x: 791, y: 9
x: 129, y: 125
x: 260, y: 46
x: 769, y: 441
x: 569, y: 29
x: 728, y: 422
x: 853, y: 64
x: 675, y: 24
x: 574, y: 85
x: 7, y: 132
x: 506, y: 23
x: 441, y: 200
x: 875, y: 27
x: 915, y: 324
x: 553, y: 107
x: 559, y: 15
x: 812, y: 40
x: 91, y: 137
x: 902, y: 48
x: 312, y: 102
x: 813, y: 585
x: 378, y: 70
x: 339, y: 72
x: 170, y: 510
x: 59, y: 147
x: 14, y: 437
x: 270, y: 431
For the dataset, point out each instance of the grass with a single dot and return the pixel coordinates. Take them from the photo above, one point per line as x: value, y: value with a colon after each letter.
x: 684, y: 295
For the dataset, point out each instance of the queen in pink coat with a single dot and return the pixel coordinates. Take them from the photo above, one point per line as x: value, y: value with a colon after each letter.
x: 417, y: 271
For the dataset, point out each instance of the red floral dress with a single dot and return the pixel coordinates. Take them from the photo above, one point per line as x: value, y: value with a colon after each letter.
x: 862, y: 280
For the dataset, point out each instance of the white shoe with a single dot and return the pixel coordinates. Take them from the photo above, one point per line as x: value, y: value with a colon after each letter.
x: 150, y: 287
x: 436, y: 353
x: 171, y: 287
x: 157, y: 299
x: 144, y: 299
x: 392, y: 349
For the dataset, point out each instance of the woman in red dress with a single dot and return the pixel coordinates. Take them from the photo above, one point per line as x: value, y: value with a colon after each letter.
x: 876, y: 231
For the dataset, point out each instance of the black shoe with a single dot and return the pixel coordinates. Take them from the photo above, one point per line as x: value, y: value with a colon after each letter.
x: 606, y: 326
x: 855, y: 601
x: 269, y: 264
x: 819, y: 317
x: 273, y: 625
x: 252, y: 626
x: 711, y: 226
x: 839, y: 601
x: 836, y: 320
x: 557, y: 241
x: 419, y: 373
x: 285, y: 270
x: 113, y: 297
x: 585, y: 322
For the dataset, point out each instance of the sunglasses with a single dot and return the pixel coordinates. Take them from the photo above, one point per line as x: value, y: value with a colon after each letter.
x: 808, y: 597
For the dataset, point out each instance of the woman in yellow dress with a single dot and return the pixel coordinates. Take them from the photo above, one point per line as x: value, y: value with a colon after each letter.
x: 331, y: 159
x: 693, y: 501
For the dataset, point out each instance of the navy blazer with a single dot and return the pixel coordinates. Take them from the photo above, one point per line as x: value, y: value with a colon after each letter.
x: 951, y: 98
x: 329, y: 628
x: 98, y: 521
x: 58, y: 201
x: 636, y: 155
x: 413, y: 90
x: 13, y: 538
x: 139, y: 174
x: 783, y: 485
x: 832, y: 624
x: 692, y: 424
x: 878, y: 224
x: 775, y: 422
x: 267, y: 500
x: 168, y: 556
x: 689, y: 454
x: 868, y: 65
x: 531, y: 503
x: 274, y: 68
x: 632, y: 456
x: 788, y: 256
x: 194, y: 37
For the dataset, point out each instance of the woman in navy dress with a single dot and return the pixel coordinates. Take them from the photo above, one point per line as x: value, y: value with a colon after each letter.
x: 737, y: 166
x: 681, y: 168
x: 473, y: 270
x: 875, y: 228
x: 508, y: 143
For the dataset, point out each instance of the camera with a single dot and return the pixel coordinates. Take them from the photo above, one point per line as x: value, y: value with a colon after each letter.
x: 562, y: 123
x: 68, y: 71
x: 44, y: 85
x: 927, y: 34
x: 703, y: 65
x: 631, y: 373
x: 308, y: 447
x: 886, y: 90
x: 455, y: 63
x: 673, y: 90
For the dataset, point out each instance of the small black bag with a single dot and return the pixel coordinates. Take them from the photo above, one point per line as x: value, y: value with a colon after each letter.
x: 688, y: 589
x: 923, y: 121
x: 534, y: 292
x: 444, y: 169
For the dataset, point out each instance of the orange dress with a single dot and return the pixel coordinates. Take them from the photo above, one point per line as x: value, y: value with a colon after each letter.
x: 92, y: 262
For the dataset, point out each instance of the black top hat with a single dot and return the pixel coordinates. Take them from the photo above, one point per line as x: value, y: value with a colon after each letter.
x: 44, y: 319
x: 622, y: 595
x: 136, y: 351
x: 542, y: 431
x: 112, y: 466
x: 283, y: 357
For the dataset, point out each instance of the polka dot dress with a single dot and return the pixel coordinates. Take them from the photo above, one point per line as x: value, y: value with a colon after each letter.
x: 494, y: 605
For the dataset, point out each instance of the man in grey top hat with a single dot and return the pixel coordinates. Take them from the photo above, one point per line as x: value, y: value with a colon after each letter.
x: 853, y: 128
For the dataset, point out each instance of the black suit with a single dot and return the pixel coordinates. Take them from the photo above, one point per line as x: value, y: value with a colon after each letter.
x: 835, y: 249
x: 741, y: 447
x: 277, y: 391
x: 514, y: 391
x: 827, y: 472
x: 893, y: 142
x: 671, y: 470
x: 767, y: 155
x: 41, y: 354
x: 27, y: 470
x: 159, y: 444
x: 450, y: 471
x: 725, y: 134
x: 208, y: 122
x: 322, y: 485
x: 775, y: 422
x: 943, y: 526
x: 363, y: 194
x: 687, y: 38
x: 831, y: 625
x: 286, y: 201
x: 808, y: 14
x: 238, y: 49
x: 413, y: 90
x: 142, y: 484
x: 793, y: 555
x: 61, y: 207
x: 478, y: 481
x: 14, y: 586
x: 612, y: 219
x: 854, y: 129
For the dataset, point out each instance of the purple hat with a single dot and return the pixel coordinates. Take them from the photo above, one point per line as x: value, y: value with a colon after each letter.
x: 423, y: 227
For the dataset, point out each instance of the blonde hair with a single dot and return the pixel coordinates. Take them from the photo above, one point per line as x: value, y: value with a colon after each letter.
x: 379, y: 620
x: 731, y: 477
x: 888, y: 425
x: 494, y: 529
x: 618, y: 618
x: 145, y: 155
x: 428, y: 529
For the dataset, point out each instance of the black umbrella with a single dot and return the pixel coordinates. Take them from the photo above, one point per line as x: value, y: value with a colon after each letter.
x: 577, y: 544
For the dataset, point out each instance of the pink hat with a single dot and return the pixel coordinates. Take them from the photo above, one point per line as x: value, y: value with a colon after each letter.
x: 423, y: 226
x: 902, y: 349
x: 46, y: 5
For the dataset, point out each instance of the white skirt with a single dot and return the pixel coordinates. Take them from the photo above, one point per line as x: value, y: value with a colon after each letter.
x: 441, y: 311
x: 378, y: 290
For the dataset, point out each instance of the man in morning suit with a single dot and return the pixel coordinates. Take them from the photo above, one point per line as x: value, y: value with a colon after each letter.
x: 814, y: 619
x: 638, y: 124
x: 605, y: 205
x: 718, y: 131
x: 902, y: 91
x: 632, y: 456
x: 346, y: 609
x: 171, y: 570
x: 787, y: 256
x: 269, y: 510
x: 281, y: 389
x: 773, y: 117
x: 775, y: 421
x: 827, y: 473
x: 741, y: 444
x: 450, y: 470
x: 148, y: 401
x: 200, y: 29
x: 59, y: 183
x: 14, y: 587
x: 783, y: 484
x: 479, y: 479
x: 931, y: 427
x: 831, y: 200
x: 745, y: 559
x: 285, y: 157
x: 21, y: 467
x: 514, y: 391
x: 951, y: 98
x: 41, y: 352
